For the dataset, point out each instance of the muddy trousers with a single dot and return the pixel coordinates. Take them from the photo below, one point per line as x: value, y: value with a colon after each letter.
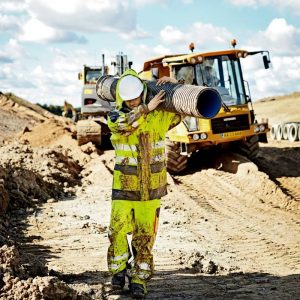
x: 139, y: 218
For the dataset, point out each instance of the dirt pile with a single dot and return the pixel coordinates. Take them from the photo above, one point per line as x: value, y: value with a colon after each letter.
x: 23, y: 108
x: 49, y: 132
x: 16, y: 285
x: 16, y: 114
x: 39, y: 162
x: 278, y: 109
x: 59, y: 133
x: 35, y: 173
x: 28, y: 177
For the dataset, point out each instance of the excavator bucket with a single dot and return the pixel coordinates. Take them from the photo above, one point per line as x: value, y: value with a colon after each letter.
x: 88, y: 131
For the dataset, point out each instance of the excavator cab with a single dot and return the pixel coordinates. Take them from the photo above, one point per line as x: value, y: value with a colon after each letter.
x: 92, y: 75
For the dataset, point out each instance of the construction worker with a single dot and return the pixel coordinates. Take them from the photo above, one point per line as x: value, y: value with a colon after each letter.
x: 139, y: 181
x: 210, y: 75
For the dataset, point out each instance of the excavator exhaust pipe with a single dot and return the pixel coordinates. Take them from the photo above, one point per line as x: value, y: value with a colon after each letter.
x: 190, y: 100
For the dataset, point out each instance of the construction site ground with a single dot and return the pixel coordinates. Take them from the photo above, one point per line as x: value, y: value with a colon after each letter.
x: 229, y: 227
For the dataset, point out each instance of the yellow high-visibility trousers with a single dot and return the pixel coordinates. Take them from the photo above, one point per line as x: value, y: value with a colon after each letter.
x: 139, y: 218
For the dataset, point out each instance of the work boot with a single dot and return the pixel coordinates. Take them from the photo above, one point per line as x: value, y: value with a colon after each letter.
x: 137, y: 290
x: 118, y: 280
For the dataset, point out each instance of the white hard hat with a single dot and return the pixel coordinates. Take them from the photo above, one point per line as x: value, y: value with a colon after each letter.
x: 130, y: 87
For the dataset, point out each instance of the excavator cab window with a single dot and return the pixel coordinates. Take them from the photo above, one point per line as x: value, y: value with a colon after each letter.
x: 220, y: 72
x: 185, y: 74
x: 91, y: 76
x: 224, y: 74
x: 208, y: 73
x: 233, y: 80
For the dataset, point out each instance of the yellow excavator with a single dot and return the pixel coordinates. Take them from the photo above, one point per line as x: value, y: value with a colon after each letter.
x: 69, y: 111
x: 92, y: 123
x: 235, y: 124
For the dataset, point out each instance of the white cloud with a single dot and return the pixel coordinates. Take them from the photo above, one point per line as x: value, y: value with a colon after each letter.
x: 50, y: 82
x: 136, y: 34
x: 160, y: 50
x: 172, y: 35
x: 142, y: 52
x: 58, y: 80
x: 203, y: 35
x: 279, y: 37
x: 36, y: 31
x: 245, y: 2
x: 12, y: 6
x: 11, y: 52
x: 9, y: 22
x: 283, y: 42
x: 84, y: 16
x: 293, y: 5
x: 282, y: 78
x: 57, y: 21
x: 149, y: 2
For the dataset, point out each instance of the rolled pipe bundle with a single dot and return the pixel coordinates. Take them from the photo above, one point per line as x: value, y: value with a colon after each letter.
x: 190, y: 100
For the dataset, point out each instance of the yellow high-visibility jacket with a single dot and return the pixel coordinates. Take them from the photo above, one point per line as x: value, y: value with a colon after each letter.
x: 138, y: 138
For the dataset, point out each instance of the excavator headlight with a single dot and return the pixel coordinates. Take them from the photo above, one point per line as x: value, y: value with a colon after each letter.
x: 256, y: 129
x: 203, y: 136
x: 239, y: 54
x: 245, y: 54
x: 262, y: 128
x: 193, y: 60
x: 196, y: 137
x: 200, y: 58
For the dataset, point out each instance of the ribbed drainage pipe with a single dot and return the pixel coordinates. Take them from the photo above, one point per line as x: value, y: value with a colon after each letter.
x: 285, y: 133
x: 279, y: 133
x: 273, y: 132
x: 293, y: 132
x: 191, y: 100
x: 106, y: 87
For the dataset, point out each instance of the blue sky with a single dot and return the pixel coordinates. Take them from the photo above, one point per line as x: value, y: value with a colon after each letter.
x: 44, y: 44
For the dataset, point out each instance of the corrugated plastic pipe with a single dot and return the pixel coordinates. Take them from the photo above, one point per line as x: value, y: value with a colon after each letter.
x: 191, y: 100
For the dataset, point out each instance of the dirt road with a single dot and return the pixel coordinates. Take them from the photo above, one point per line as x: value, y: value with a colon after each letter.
x: 225, y: 233
x: 229, y: 228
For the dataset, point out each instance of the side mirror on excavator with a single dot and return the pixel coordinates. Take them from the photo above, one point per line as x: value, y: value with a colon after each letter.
x: 266, y: 61
x: 265, y: 55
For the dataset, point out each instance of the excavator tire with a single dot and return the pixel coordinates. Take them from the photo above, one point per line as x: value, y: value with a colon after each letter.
x: 176, y: 162
x: 250, y: 147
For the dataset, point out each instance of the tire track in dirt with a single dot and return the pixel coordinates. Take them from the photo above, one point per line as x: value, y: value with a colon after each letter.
x: 264, y: 242
x: 219, y: 227
x: 281, y: 161
x: 291, y: 186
